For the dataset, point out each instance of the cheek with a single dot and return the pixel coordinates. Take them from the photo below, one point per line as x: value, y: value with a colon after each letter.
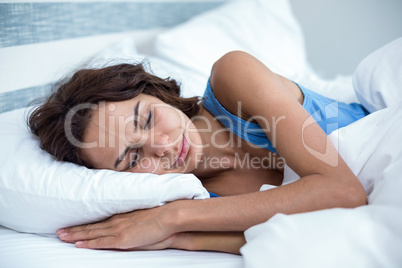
x: 170, y: 122
x: 172, y: 116
x: 145, y: 165
x: 152, y: 165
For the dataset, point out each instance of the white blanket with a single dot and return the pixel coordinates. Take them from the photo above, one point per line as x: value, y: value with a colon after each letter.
x: 367, y: 236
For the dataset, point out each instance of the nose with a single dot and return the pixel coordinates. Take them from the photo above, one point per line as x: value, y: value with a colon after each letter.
x: 161, y: 144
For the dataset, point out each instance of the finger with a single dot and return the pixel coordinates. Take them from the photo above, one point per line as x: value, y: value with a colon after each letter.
x: 94, y: 226
x: 97, y: 225
x: 84, y: 234
x: 107, y: 242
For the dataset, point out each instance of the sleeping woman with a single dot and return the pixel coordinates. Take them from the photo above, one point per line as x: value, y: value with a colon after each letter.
x: 249, y: 125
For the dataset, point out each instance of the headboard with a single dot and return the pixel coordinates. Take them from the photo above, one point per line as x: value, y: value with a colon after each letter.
x: 30, y: 26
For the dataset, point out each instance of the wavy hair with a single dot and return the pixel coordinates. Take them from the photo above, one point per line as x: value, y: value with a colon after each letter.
x: 91, y: 86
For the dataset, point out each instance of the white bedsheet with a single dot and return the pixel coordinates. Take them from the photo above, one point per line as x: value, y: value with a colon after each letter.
x: 20, y: 250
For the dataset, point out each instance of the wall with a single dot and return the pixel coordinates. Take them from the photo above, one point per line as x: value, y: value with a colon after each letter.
x: 340, y: 33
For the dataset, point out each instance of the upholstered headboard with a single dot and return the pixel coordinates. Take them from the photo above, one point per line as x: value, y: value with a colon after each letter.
x: 31, y: 27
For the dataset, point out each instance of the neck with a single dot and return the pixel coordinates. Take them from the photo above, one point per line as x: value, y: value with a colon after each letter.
x: 218, y: 153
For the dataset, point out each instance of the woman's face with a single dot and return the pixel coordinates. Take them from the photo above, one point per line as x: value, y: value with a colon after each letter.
x: 141, y: 135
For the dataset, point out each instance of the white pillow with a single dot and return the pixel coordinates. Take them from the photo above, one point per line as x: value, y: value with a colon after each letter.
x: 124, y: 51
x: 266, y: 29
x: 120, y: 51
x: 378, y: 78
x: 39, y: 194
x: 191, y: 84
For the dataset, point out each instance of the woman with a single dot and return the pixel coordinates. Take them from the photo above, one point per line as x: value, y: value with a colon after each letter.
x: 110, y: 124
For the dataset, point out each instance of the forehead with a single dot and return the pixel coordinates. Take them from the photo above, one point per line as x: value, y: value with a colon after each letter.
x: 107, y: 127
x: 120, y: 107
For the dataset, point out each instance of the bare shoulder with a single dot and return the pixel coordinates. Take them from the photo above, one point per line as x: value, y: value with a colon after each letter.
x: 229, y: 82
x: 239, y: 78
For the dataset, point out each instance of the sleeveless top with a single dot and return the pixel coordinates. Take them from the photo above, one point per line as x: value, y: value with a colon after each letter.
x: 328, y: 113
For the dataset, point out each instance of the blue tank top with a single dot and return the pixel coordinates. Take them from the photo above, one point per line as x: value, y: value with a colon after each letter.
x: 328, y: 113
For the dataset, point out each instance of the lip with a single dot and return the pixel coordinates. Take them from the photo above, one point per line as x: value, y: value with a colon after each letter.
x: 183, y: 152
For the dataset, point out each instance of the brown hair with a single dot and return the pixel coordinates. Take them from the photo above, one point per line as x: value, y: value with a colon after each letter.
x: 91, y: 86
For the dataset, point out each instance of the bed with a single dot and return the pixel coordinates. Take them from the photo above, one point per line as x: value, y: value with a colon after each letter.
x: 42, y: 41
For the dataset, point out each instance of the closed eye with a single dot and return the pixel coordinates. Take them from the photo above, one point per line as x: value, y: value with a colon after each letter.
x: 133, y: 163
x: 148, y: 120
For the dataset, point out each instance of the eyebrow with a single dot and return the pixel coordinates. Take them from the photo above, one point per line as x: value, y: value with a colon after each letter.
x: 121, y: 157
x: 136, y: 116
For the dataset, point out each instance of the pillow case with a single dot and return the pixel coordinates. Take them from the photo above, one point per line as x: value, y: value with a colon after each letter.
x: 124, y: 51
x: 266, y: 29
x: 39, y: 194
x: 377, y: 80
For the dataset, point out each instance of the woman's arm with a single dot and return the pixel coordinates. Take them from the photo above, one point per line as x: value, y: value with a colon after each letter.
x: 120, y: 232
x: 229, y: 242
x: 326, y: 181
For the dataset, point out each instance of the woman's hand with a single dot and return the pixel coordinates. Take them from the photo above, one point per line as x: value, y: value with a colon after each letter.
x: 150, y: 227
